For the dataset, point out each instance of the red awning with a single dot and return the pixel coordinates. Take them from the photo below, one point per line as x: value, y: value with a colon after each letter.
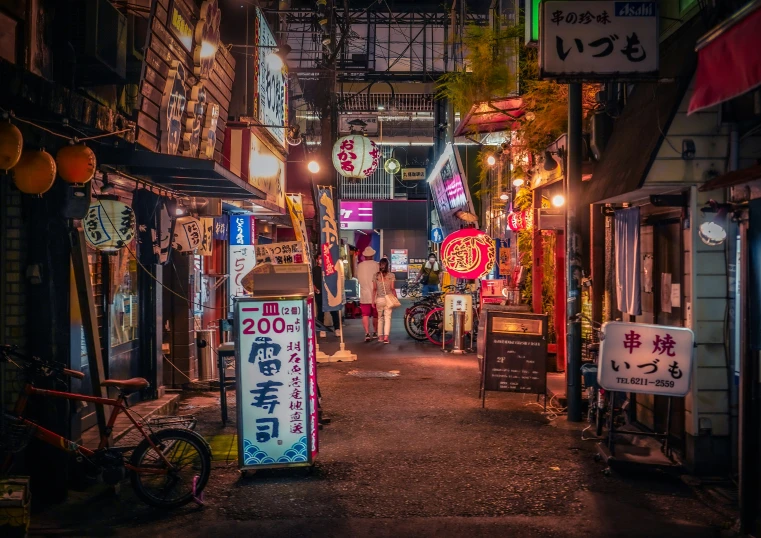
x: 729, y: 62
x: 491, y: 116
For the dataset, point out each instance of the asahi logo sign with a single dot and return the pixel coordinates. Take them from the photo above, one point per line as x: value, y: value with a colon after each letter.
x: 272, y: 84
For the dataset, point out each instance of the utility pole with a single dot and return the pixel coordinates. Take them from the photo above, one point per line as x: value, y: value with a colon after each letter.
x: 573, y: 254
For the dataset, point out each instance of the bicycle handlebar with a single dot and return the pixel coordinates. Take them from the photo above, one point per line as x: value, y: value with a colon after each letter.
x: 46, y: 367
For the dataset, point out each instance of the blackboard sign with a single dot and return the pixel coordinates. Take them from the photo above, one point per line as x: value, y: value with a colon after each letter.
x: 515, y: 354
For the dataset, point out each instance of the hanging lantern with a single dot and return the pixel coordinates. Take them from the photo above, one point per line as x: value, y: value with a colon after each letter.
x: 187, y: 234
x: 468, y: 253
x: 35, y: 172
x: 76, y: 163
x: 355, y: 156
x: 521, y: 220
x: 109, y: 225
x: 11, y: 143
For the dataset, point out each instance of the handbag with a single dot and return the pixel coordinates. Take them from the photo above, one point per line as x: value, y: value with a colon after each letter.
x: 391, y: 300
x: 424, y: 278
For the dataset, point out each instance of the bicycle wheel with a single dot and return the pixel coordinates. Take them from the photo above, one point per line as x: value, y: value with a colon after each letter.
x: 403, y: 291
x: 434, y: 326
x: 413, y: 322
x: 189, y: 458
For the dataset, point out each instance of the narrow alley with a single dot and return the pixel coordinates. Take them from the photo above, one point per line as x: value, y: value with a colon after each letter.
x: 409, y: 452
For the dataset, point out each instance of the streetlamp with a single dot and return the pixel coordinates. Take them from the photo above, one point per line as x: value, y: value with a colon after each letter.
x: 558, y: 200
x: 313, y: 167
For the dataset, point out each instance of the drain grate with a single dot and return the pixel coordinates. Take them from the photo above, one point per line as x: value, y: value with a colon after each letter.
x: 374, y: 373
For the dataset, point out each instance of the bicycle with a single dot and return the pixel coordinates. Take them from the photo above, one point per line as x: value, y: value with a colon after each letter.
x: 411, y: 289
x: 434, y: 321
x: 167, y: 469
x: 414, y: 316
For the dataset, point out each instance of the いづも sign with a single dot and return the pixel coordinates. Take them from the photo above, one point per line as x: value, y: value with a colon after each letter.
x: 277, y: 383
x: 649, y: 359
x: 591, y: 39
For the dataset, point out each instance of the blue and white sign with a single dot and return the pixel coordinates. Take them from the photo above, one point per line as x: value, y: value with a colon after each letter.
x: 437, y: 235
x: 242, y: 230
x: 276, y: 410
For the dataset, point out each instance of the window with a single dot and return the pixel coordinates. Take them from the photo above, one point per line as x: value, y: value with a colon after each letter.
x: 123, y: 308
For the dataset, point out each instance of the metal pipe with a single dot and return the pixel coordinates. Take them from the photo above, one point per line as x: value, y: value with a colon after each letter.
x: 573, y: 254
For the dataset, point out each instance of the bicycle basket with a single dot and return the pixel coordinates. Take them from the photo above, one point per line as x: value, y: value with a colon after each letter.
x: 15, y: 435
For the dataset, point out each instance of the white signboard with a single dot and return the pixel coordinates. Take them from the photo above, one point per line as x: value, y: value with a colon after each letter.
x: 413, y: 174
x: 597, y: 39
x: 242, y: 261
x: 281, y: 253
x: 648, y: 359
x: 347, y: 124
x: 275, y: 370
x: 272, y: 84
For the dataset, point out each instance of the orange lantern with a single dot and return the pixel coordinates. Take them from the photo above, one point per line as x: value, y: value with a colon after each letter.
x: 11, y: 143
x: 35, y: 172
x: 76, y: 163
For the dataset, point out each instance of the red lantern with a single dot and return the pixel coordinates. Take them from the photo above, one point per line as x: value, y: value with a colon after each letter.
x: 522, y: 220
x: 76, y: 163
x: 35, y: 172
x: 468, y: 253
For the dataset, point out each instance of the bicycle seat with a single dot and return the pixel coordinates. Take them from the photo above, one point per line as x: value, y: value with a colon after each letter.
x: 126, y: 385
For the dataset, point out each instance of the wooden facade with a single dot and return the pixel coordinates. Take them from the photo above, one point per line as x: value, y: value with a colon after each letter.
x: 162, y: 50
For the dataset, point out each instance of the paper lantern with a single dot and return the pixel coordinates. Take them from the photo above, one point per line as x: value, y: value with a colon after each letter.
x: 468, y: 253
x: 11, y: 143
x: 76, y: 163
x: 35, y: 172
x: 187, y: 234
x: 109, y: 225
x: 522, y: 220
x: 355, y: 156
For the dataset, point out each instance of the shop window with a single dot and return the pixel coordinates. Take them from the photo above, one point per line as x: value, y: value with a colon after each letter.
x: 123, y: 308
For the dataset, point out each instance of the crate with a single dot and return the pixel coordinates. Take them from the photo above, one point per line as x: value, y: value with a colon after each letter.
x: 15, y: 507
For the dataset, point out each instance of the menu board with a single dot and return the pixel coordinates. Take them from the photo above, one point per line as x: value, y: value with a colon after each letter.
x: 276, y: 382
x: 399, y: 260
x: 515, y: 354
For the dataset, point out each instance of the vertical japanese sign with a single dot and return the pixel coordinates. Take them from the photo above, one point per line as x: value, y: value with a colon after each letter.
x: 207, y: 233
x: 589, y: 38
x: 220, y: 228
x: 242, y: 261
x: 329, y: 248
x: 296, y: 210
x: 271, y: 98
x: 242, y: 230
x: 648, y: 359
x: 277, y: 401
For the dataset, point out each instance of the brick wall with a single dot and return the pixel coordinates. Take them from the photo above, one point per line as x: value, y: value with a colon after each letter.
x: 12, y: 280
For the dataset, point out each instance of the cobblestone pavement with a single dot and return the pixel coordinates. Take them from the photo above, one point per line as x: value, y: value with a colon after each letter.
x: 413, y: 455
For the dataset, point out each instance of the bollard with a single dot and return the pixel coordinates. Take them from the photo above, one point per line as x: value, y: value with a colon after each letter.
x: 459, y: 331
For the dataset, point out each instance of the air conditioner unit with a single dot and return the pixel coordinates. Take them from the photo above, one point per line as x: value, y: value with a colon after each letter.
x: 98, y: 33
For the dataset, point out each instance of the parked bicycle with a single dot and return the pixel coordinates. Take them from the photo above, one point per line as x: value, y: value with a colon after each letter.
x: 414, y: 316
x: 411, y: 288
x: 167, y: 469
x: 434, y: 322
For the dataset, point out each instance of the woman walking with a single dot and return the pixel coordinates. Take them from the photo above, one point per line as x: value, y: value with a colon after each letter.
x: 383, y: 287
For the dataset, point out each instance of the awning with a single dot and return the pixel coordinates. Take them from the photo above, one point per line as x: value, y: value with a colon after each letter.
x: 730, y: 179
x: 729, y: 59
x: 189, y: 176
x: 491, y: 116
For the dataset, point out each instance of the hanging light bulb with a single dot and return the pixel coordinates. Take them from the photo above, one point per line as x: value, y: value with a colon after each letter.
x: 558, y: 200
x: 518, y: 182
x: 491, y: 160
x: 313, y: 167
x: 504, y: 197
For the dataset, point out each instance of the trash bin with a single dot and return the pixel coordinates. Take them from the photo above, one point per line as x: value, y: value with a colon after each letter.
x: 207, y: 358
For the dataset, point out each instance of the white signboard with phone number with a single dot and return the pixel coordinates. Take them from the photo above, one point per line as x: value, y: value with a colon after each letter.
x: 276, y: 382
x: 647, y: 359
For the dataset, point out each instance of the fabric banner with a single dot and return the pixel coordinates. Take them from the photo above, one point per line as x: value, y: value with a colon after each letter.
x: 296, y: 210
x: 280, y: 253
x: 329, y: 249
x: 207, y: 233
x: 220, y: 228
x: 628, y: 261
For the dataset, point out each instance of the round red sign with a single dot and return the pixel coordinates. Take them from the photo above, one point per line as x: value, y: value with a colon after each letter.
x: 468, y: 253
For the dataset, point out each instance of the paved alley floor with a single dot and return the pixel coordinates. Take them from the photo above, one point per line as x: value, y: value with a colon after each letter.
x: 413, y: 455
